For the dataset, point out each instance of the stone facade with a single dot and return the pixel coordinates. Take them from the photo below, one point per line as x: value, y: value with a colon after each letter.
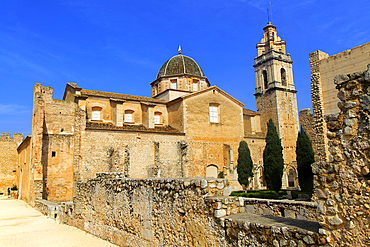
x: 8, y: 160
x: 342, y: 183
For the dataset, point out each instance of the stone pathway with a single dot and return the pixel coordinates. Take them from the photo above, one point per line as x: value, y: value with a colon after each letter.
x: 22, y: 225
x: 268, y: 220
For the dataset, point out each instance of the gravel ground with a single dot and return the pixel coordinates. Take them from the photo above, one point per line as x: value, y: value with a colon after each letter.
x: 22, y: 225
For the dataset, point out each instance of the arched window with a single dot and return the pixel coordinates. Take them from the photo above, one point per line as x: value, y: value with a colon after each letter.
x: 283, y: 76
x: 265, y: 82
x: 157, y: 118
x: 95, y: 113
x: 291, y: 178
x: 129, y: 116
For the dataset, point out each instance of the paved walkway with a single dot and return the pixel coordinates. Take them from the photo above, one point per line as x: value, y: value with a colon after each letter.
x: 22, y: 225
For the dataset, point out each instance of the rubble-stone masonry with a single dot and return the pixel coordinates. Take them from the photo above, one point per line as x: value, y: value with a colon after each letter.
x: 174, y: 212
x: 307, y: 122
x: 342, y: 184
x: 301, y: 210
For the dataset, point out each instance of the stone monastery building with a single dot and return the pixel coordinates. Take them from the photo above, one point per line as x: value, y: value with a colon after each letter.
x: 188, y: 128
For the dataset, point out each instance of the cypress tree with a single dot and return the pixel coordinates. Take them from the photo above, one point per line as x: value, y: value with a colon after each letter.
x: 305, y: 157
x: 245, y: 164
x: 273, y: 158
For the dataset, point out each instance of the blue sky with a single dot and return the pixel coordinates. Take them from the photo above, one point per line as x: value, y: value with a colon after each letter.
x: 119, y: 46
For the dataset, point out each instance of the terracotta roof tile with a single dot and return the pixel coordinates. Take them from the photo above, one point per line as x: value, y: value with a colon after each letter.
x: 132, y: 128
x: 85, y: 92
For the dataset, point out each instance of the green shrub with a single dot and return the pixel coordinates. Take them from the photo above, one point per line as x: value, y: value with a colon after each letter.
x: 305, y: 157
x: 273, y: 161
x: 245, y: 164
x: 14, y: 187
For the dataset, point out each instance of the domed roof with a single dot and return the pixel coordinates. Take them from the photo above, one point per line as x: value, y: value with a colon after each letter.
x: 180, y: 65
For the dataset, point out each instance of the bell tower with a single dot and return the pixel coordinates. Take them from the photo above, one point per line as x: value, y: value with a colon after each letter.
x: 275, y: 90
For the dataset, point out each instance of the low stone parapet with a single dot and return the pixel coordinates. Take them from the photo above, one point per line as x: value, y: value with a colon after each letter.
x: 247, y: 229
x: 47, y: 208
x: 301, y: 210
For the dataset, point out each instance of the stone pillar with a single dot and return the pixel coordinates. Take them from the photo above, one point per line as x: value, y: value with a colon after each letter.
x: 318, y: 105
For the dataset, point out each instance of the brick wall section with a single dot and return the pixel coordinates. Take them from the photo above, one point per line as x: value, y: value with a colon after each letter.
x: 307, y: 122
x: 342, y: 184
x: 8, y: 160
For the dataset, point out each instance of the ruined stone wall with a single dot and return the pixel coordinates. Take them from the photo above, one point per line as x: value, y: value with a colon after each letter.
x: 320, y: 142
x: 307, y: 122
x: 342, y: 184
x: 147, y: 212
x: 8, y: 160
x: 175, y: 212
x: 301, y: 210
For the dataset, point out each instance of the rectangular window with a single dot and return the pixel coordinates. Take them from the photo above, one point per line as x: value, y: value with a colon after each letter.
x: 195, y: 86
x: 95, y: 115
x: 128, y: 117
x: 213, y: 114
x: 173, y: 84
x: 157, y: 119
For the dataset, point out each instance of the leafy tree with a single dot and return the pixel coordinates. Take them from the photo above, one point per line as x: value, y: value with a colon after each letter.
x: 245, y: 164
x: 305, y: 157
x: 273, y: 158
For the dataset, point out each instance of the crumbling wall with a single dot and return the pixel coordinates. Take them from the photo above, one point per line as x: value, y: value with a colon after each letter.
x: 176, y: 212
x: 342, y: 184
x: 147, y: 212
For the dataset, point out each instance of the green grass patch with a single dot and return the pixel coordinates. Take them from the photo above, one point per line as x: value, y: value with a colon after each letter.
x: 266, y: 194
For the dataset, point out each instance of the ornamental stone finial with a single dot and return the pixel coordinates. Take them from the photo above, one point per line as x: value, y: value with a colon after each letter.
x: 179, y: 49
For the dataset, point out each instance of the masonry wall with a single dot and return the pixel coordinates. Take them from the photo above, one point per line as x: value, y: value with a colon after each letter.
x: 172, y: 212
x: 342, y: 185
x: 55, y: 135
x: 136, y: 154
x: 24, y: 170
x: 355, y: 59
x: 323, y: 93
x: 307, y: 122
x: 285, y: 118
x: 212, y: 143
x: 8, y: 160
